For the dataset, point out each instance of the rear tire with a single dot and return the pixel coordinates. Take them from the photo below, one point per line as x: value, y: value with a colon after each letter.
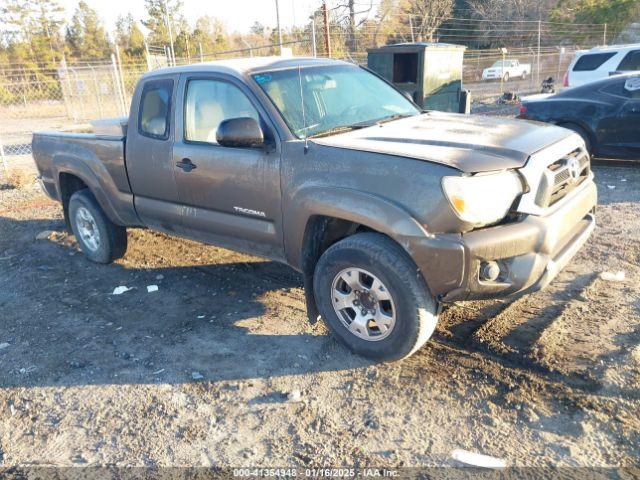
x: 381, y: 277
x: 582, y: 132
x: 506, y: 77
x: 101, y: 240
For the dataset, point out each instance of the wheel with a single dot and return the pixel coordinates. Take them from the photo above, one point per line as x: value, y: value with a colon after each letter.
x: 582, y: 132
x: 524, y: 75
x: 100, y: 239
x: 506, y: 77
x: 373, y: 298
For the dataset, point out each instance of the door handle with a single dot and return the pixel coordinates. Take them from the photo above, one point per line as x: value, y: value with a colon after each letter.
x: 186, y: 165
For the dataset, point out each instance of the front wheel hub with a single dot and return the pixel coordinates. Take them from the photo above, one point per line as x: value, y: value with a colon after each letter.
x: 363, y: 304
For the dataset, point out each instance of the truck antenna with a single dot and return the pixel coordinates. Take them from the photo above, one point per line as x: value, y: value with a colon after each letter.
x: 304, y: 117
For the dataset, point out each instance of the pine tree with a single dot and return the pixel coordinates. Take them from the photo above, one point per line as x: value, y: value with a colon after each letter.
x: 129, y: 37
x: 86, y: 37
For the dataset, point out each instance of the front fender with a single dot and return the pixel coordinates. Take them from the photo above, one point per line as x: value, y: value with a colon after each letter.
x: 363, y: 208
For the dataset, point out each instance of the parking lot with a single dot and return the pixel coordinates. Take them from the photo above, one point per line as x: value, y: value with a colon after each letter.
x: 220, y: 366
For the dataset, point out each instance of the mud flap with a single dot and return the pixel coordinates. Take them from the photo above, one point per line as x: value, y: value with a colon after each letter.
x: 310, y: 299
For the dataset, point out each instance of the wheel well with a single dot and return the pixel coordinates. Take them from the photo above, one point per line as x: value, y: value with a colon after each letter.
x: 568, y: 124
x: 322, y: 232
x: 69, y: 184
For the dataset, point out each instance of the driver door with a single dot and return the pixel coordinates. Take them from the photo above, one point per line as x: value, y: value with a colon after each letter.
x: 230, y: 196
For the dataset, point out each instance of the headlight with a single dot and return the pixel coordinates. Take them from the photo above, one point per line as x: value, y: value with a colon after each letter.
x: 482, y: 199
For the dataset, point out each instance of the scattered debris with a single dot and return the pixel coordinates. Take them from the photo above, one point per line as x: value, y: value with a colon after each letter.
x: 158, y: 372
x: 160, y: 277
x: 611, y: 187
x: 200, y: 317
x: 44, y: 235
x: 3, y: 345
x: 120, y: 290
x: 509, y: 98
x: 619, y: 276
x: 152, y: 288
x: 197, y: 376
x: 477, y: 459
x: 294, y: 396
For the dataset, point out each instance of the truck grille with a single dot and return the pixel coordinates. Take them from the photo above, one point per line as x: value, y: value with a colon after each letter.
x: 563, y: 176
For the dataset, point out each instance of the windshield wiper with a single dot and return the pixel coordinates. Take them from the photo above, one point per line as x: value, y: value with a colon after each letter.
x: 396, y: 116
x: 338, y: 129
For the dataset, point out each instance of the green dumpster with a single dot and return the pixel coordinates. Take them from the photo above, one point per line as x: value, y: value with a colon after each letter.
x: 431, y: 73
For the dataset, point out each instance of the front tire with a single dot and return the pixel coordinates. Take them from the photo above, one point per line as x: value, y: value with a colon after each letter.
x: 373, y: 298
x: 101, y: 240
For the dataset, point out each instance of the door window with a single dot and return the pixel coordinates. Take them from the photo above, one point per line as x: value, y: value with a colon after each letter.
x: 210, y: 102
x: 631, y: 61
x: 155, y: 106
x: 592, y: 61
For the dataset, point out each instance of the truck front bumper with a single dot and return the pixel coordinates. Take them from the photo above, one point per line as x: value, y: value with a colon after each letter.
x: 530, y: 253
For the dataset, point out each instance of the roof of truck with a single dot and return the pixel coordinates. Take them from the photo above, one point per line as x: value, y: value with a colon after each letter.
x: 247, y: 65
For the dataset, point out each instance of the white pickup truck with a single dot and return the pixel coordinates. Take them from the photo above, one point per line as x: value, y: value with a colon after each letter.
x: 506, y: 69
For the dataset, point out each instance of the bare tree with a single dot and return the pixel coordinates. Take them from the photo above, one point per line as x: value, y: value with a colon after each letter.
x: 426, y: 16
x: 346, y: 12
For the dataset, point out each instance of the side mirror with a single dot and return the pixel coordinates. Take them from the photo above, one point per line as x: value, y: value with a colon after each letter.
x: 243, y: 132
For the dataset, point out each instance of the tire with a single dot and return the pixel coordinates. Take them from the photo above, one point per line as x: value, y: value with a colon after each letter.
x: 582, y: 132
x: 506, y: 77
x: 87, y: 218
x: 366, y: 258
x: 524, y: 75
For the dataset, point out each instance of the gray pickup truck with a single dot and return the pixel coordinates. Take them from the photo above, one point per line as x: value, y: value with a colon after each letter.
x: 389, y: 212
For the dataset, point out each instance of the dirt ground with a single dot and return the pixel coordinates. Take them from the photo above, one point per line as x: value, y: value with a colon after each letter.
x: 206, y: 371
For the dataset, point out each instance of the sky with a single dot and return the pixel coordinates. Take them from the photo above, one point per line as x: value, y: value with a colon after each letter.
x: 238, y: 15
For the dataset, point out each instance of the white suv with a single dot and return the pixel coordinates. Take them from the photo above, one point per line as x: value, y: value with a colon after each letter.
x: 602, y: 62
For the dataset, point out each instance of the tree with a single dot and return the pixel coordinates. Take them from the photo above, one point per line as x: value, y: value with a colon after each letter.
x: 211, y: 33
x: 86, y: 37
x: 159, y: 12
x: 129, y: 37
x: 426, y: 16
x: 616, y: 13
x: 33, y: 33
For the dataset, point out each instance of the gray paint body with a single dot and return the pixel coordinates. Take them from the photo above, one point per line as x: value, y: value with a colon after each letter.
x: 386, y: 178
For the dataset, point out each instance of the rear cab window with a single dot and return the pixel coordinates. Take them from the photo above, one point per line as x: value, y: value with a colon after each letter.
x: 630, y: 62
x: 592, y: 61
x: 155, y: 107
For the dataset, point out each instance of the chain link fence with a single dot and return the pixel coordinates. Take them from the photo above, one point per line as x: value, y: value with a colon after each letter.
x: 68, y: 97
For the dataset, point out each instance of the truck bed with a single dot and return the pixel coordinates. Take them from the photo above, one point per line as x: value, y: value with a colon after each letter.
x: 97, y: 160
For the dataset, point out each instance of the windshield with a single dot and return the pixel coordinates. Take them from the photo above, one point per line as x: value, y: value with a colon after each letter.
x: 500, y: 63
x: 335, y: 97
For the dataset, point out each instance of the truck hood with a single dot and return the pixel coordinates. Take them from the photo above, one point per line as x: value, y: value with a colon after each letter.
x: 470, y: 143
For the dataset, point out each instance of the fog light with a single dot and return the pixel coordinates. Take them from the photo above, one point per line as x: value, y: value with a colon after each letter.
x: 489, y: 271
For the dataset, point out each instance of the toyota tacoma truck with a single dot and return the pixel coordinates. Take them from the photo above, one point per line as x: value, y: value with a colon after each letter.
x: 389, y: 212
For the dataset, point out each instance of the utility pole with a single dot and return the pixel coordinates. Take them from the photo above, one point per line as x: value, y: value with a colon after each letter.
x: 604, y: 39
x: 539, y: 41
x: 173, y: 52
x: 327, y: 42
x: 279, y: 31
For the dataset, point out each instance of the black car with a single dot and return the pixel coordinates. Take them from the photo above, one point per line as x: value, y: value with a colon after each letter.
x: 606, y: 114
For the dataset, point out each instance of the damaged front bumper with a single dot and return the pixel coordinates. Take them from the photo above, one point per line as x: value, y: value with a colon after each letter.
x: 529, y: 253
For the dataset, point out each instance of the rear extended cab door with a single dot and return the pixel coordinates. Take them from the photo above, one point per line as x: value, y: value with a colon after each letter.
x: 149, y: 150
x: 230, y: 196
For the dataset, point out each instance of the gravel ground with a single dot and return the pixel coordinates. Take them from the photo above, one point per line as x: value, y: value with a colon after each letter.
x: 220, y: 367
